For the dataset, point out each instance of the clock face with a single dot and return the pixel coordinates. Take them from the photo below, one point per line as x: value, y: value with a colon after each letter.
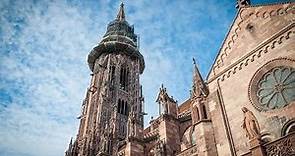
x: 273, y: 85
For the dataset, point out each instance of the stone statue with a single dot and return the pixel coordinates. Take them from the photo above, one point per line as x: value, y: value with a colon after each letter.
x: 250, y: 124
x: 163, y: 100
x: 105, y: 139
x: 131, y: 124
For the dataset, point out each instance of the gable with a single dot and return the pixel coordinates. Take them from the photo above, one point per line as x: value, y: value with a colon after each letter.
x: 252, y: 26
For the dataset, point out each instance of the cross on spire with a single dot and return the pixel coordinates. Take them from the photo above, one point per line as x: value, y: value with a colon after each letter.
x: 121, y: 13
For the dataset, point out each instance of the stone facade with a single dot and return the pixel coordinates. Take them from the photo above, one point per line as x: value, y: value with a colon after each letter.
x: 244, y: 107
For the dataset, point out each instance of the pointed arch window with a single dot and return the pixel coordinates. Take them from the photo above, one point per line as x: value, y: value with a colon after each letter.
x: 197, y: 114
x: 119, y: 106
x: 204, y: 112
x: 112, y: 74
x: 124, y: 77
x: 122, y: 107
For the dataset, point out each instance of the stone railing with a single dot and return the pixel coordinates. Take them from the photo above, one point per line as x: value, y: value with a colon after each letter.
x: 184, y: 114
x: 193, y: 151
x: 284, y: 146
x: 151, y: 135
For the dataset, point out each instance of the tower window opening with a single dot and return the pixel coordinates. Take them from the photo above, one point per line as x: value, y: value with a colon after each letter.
x: 112, y: 73
x: 204, y: 112
x: 121, y: 78
x: 197, y: 114
x: 119, y: 106
x: 122, y: 107
x: 126, y: 109
x: 124, y: 74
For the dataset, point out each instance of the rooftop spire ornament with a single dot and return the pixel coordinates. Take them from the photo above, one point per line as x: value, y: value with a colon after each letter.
x: 242, y: 3
x: 121, y: 13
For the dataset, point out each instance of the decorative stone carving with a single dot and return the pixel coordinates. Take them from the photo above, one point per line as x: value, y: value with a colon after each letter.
x: 234, y: 33
x: 282, y: 147
x: 273, y: 85
x: 242, y: 3
x: 250, y: 124
x: 265, y: 47
x: 105, y: 140
x: 276, y: 89
x: 159, y: 149
x: 131, y: 124
x: 163, y: 100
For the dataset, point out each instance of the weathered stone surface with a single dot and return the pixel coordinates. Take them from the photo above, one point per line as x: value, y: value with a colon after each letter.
x: 260, y: 40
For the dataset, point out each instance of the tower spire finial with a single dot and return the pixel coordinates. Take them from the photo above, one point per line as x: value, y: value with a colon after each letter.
x: 121, y: 13
x: 242, y: 3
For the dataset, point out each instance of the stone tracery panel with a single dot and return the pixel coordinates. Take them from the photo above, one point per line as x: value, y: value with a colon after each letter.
x: 273, y: 85
x: 276, y: 89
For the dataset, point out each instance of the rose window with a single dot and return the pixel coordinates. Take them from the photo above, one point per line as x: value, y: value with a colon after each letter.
x: 276, y: 89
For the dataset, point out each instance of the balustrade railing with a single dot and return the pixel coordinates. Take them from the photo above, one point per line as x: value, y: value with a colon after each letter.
x: 284, y: 146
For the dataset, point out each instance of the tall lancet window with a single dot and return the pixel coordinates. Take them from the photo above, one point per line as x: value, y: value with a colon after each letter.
x: 124, y: 74
x: 112, y: 74
x: 122, y: 107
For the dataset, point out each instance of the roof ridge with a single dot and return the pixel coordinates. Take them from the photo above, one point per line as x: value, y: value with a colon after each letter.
x: 267, y: 4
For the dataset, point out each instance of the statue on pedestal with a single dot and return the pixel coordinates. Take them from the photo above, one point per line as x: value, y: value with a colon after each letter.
x: 250, y: 124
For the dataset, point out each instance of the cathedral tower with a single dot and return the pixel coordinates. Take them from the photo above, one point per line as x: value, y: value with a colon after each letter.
x: 112, y: 111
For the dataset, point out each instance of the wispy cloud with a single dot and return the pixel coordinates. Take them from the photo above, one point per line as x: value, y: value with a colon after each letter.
x: 43, y: 70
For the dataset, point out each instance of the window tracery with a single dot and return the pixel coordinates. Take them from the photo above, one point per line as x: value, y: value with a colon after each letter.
x: 276, y: 89
x: 124, y: 74
x: 273, y: 85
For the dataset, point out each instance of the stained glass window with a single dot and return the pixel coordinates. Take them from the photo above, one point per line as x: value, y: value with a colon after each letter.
x: 276, y: 89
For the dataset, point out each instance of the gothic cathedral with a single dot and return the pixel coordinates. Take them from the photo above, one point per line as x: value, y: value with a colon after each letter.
x: 244, y: 107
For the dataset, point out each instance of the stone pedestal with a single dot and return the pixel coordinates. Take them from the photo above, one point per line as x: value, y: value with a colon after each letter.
x: 256, y: 148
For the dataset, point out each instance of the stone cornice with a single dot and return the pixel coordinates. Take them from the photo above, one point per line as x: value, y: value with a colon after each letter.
x: 260, y: 5
x: 114, y: 47
x: 261, y: 49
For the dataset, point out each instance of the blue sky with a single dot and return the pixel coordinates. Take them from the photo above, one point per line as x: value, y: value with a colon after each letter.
x: 43, y: 70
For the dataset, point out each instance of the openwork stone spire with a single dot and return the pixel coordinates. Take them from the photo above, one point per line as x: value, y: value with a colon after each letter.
x: 119, y: 38
x: 121, y: 13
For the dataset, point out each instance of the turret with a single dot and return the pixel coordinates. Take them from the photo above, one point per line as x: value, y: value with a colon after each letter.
x: 167, y: 105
